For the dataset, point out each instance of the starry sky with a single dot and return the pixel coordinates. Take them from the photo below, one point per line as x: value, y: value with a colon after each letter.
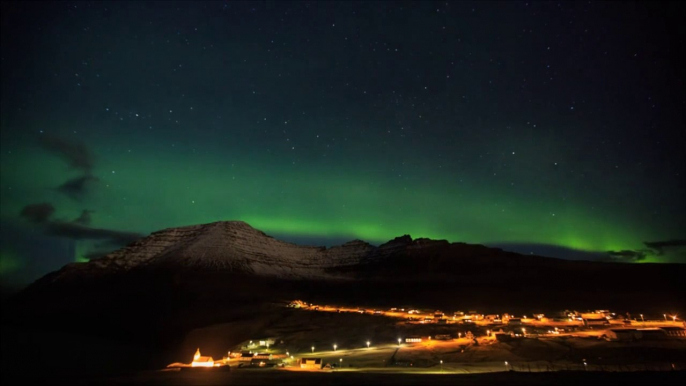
x: 553, y: 128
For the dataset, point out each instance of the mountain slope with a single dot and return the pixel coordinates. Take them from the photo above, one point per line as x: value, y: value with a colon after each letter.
x: 178, y: 279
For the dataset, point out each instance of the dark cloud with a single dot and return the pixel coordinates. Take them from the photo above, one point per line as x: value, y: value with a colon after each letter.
x: 78, y: 156
x: 76, y: 229
x: 550, y: 251
x: 38, y: 213
x: 661, y: 246
x: 81, y: 232
x: 627, y: 256
x: 668, y: 251
x: 84, y: 218
x: 75, y: 154
x: 76, y: 188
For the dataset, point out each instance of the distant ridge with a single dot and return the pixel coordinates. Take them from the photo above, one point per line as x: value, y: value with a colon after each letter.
x: 237, y: 247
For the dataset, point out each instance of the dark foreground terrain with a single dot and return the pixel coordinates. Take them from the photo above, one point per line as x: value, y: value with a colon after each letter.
x: 284, y: 377
x: 217, y: 285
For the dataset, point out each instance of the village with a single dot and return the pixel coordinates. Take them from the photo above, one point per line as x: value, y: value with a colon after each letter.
x: 420, y: 340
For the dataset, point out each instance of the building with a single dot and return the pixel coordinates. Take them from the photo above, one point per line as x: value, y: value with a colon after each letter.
x: 443, y: 337
x: 311, y: 363
x: 413, y: 339
x: 621, y: 334
x: 675, y: 332
x: 653, y: 334
x: 201, y: 361
x: 246, y: 357
x: 262, y: 342
x: 261, y: 362
x: 515, y: 321
x: 297, y: 304
x: 596, y: 321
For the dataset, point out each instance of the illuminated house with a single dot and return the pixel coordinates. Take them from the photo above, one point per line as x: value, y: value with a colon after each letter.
x: 201, y: 361
x: 675, y: 332
x: 311, y: 363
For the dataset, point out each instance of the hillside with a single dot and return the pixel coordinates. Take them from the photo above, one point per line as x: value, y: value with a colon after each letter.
x: 177, y: 279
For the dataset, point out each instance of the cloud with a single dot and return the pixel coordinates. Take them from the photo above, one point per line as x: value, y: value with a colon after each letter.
x: 75, y: 154
x: 81, y: 232
x: 549, y: 250
x: 38, y: 213
x: 77, y: 229
x: 78, y: 156
x: 662, y: 246
x: 84, y: 218
x: 77, y: 187
x: 627, y: 256
x: 668, y: 251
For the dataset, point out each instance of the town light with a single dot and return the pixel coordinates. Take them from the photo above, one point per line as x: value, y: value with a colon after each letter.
x: 674, y: 318
x: 334, y: 346
x: 368, y: 343
x: 312, y: 349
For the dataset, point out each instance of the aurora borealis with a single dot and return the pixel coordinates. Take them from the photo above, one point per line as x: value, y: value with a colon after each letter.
x: 541, y: 127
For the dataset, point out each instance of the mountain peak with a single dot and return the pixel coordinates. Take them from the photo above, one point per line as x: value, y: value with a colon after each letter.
x: 237, y: 247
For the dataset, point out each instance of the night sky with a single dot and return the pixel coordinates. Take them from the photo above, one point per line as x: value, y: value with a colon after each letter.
x: 552, y: 128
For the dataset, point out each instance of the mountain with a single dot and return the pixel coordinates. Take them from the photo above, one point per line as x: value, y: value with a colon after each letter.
x: 179, y: 278
x: 229, y: 246
x: 236, y: 247
x: 157, y: 290
x: 237, y: 250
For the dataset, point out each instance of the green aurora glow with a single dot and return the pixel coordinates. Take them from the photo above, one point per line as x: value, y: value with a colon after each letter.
x: 438, y: 120
x: 145, y: 195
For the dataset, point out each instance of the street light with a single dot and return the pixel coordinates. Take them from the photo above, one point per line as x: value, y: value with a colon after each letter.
x: 368, y: 343
x: 399, y: 340
x: 334, y: 346
x: 674, y: 318
x: 313, y: 349
x: 506, y: 365
x: 441, y: 365
x: 665, y: 315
